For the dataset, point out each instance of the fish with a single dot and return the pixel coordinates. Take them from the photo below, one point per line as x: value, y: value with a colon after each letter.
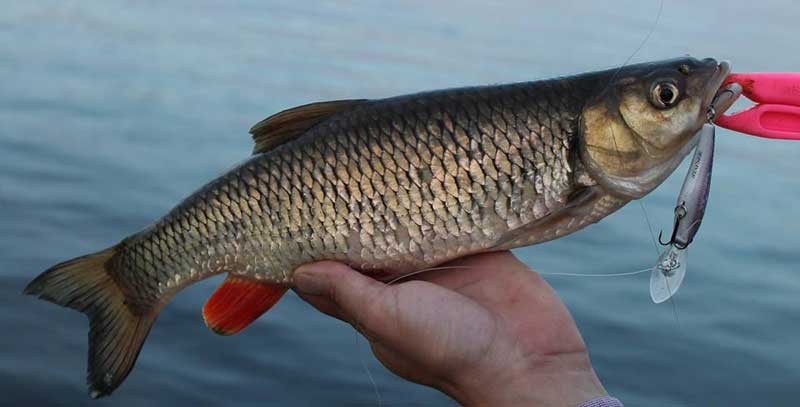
x: 391, y: 186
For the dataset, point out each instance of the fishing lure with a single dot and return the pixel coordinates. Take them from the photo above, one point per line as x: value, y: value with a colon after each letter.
x: 670, y: 268
x: 776, y: 115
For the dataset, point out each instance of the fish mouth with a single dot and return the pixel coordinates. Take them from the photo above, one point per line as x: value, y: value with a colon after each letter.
x: 723, y: 69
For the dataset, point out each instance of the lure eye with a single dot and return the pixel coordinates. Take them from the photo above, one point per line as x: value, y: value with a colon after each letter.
x: 664, y: 95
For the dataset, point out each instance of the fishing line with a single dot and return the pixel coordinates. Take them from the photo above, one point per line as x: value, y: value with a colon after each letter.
x: 614, y: 138
x: 649, y: 227
x: 611, y: 128
x: 366, y: 369
x: 647, y: 37
x: 641, y: 204
x: 355, y: 324
x: 404, y: 276
x: 628, y: 273
x: 655, y: 245
x: 639, y: 48
x: 611, y: 80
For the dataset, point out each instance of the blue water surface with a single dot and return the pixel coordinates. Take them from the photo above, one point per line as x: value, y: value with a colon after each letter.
x: 111, y: 112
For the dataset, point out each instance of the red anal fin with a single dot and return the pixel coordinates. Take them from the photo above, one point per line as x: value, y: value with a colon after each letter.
x: 238, y: 302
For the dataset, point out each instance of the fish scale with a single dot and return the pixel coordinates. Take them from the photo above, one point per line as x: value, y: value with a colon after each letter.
x: 390, y: 187
x: 377, y: 186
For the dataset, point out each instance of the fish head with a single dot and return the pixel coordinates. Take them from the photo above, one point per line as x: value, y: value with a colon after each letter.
x: 642, y: 123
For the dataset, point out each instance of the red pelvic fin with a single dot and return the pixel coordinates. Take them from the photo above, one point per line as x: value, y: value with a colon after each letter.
x: 238, y: 302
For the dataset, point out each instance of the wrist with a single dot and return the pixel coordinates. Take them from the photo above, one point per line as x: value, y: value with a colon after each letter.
x: 557, y: 380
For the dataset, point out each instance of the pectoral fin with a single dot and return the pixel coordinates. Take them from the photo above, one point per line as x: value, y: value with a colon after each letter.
x: 578, y: 204
x: 238, y: 302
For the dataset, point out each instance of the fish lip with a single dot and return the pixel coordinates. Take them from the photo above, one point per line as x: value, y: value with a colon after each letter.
x: 723, y: 69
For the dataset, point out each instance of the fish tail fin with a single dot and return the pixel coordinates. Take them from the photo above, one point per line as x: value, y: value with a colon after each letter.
x: 116, y: 333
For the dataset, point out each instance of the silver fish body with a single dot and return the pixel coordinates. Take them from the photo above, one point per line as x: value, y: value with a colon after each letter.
x: 396, y: 185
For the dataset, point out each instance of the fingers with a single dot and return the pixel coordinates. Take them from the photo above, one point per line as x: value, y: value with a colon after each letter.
x: 322, y: 304
x: 475, y: 275
x: 342, y: 292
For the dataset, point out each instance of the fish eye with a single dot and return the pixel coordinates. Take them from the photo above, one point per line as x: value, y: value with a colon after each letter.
x: 664, y: 95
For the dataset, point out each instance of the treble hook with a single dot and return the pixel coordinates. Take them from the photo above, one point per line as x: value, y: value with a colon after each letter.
x: 691, y: 203
x: 680, y: 213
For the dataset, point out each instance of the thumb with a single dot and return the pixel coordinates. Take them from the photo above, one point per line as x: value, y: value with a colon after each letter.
x: 356, y: 298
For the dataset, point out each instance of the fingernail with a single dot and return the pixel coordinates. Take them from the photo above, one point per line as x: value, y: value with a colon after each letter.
x: 308, y: 280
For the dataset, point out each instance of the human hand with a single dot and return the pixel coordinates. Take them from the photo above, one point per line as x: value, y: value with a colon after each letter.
x: 490, y: 333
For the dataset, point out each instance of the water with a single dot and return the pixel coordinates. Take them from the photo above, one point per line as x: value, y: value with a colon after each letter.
x: 111, y: 113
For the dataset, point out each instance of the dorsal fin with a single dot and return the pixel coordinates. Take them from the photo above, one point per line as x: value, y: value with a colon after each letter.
x: 290, y: 123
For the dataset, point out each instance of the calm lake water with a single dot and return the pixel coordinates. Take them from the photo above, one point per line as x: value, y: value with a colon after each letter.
x: 111, y: 112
